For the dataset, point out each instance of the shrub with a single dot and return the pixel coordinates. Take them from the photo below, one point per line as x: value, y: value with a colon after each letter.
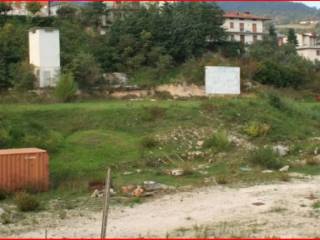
x: 285, y: 177
x: 207, y: 106
x: 218, y: 141
x: 316, y: 205
x: 149, y: 142
x: 5, y: 137
x: 86, y: 71
x: 3, y: 194
x: 222, y: 179
x: 163, y: 95
x: 23, y: 77
x: 49, y: 140
x: 187, y: 168
x: 276, y: 101
x: 256, y: 129
x: 265, y: 157
x: 26, y: 202
x: 6, y: 218
x: 312, y: 162
x: 67, y: 88
x: 154, y: 113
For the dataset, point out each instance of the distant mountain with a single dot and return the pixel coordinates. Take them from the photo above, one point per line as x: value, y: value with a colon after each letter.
x: 280, y: 12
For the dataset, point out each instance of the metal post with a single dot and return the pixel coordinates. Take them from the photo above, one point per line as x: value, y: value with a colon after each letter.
x: 106, y: 205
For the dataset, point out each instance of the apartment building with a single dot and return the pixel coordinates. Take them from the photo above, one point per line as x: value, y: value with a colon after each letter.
x: 244, y: 27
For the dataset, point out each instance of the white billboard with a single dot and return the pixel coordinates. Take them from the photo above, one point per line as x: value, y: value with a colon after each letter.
x: 222, y: 80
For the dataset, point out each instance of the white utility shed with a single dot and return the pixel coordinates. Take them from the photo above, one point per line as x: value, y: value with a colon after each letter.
x: 44, y: 55
x: 222, y: 80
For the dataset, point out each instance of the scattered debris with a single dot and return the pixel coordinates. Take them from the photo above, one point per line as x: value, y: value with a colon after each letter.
x: 281, y: 150
x: 284, y: 169
x: 297, y: 175
x: 96, y: 185
x: 127, y: 173
x: 200, y: 143
x: 203, y: 172
x: 311, y: 197
x: 100, y: 193
x: 210, y: 180
x: 138, y: 192
x: 177, y: 172
x: 128, y: 189
x: 1, y: 211
x: 97, y: 194
x: 151, y: 186
x: 258, y: 203
x: 245, y: 169
x: 267, y: 171
x: 315, y: 160
x: 316, y: 150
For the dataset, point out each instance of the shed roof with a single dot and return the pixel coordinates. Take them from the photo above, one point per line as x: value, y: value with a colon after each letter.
x: 244, y: 15
x: 21, y: 151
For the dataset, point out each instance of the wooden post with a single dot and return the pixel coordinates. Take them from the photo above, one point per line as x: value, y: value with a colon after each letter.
x: 106, y: 205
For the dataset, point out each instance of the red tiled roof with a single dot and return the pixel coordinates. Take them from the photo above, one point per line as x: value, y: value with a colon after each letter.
x: 243, y: 15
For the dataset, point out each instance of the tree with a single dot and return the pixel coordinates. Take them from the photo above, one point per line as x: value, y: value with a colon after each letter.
x: 67, y: 88
x: 4, y: 8
x: 67, y: 12
x: 86, y: 71
x: 33, y: 7
x: 92, y: 13
x: 23, y: 76
x: 189, y: 28
x: 13, y: 48
x: 284, y: 68
x: 179, y: 30
x: 272, y: 37
x: 292, y: 38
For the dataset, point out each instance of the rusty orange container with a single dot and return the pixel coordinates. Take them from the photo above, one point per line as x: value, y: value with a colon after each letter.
x: 25, y: 168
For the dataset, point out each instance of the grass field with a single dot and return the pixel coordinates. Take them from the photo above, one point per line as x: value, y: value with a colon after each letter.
x: 142, y: 140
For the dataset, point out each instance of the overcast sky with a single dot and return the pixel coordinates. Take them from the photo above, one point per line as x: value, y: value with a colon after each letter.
x: 312, y: 3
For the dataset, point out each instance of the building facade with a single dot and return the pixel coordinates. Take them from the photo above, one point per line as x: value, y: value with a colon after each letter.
x: 44, y: 55
x: 19, y: 8
x: 307, y: 46
x: 244, y: 27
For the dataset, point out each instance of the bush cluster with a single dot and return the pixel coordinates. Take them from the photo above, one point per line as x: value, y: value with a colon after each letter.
x: 256, y: 129
x: 26, y: 202
x: 265, y: 157
x: 219, y: 142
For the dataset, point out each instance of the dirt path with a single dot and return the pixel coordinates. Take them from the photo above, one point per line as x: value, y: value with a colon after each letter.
x: 280, y: 210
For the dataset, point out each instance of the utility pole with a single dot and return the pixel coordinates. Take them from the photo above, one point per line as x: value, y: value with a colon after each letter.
x: 106, y: 205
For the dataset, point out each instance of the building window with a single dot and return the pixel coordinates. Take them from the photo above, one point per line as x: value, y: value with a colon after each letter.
x: 242, y: 39
x: 254, y: 27
x: 255, y: 38
x: 231, y: 25
x: 232, y: 37
x: 241, y: 27
x: 318, y: 52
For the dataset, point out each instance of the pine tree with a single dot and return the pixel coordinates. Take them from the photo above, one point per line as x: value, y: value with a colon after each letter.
x: 292, y: 38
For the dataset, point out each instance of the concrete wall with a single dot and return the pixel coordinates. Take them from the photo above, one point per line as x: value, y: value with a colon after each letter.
x: 235, y: 32
x: 44, y: 54
x: 304, y: 40
x: 248, y: 38
x: 247, y: 25
x: 310, y: 53
x: 222, y: 80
